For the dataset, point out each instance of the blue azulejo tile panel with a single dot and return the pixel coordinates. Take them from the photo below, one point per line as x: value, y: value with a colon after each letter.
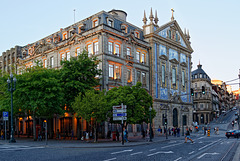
x: 162, y: 50
x: 163, y: 33
x: 173, y: 54
x: 182, y: 58
x: 164, y: 93
x: 182, y: 42
x: 173, y: 91
x: 184, y: 97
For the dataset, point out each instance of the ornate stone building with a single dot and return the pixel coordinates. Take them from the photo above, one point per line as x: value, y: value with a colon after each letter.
x: 157, y: 56
x: 170, y: 71
x: 202, y: 102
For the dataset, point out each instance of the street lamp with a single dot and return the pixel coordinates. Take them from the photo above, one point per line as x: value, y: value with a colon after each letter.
x: 150, y: 109
x: 11, y: 87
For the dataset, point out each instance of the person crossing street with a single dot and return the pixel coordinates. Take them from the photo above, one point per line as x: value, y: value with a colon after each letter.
x: 187, y: 136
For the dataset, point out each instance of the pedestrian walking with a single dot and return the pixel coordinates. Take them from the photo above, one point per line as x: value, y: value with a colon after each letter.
x: 72, y: 133
x: 187, y: 136
x: 178, y: 132
x: 2, y: 137
x: 87, y: 136
x: 39, y: 136
x: 159, y: 130
x: 117, y: 135
x: 125, y: 135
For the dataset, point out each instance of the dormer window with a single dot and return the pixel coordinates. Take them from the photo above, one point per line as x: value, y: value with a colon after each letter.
x: 110, y: 22
x: 124, y: 28
x: 95, y: 22
x: 64, y: 36
x: 136, y: 34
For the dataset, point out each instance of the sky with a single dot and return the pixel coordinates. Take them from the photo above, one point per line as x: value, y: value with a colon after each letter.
x: 213, y: 25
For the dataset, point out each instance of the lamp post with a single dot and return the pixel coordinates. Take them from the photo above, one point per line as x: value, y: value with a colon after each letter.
x: 11, y: 87
x: 150, y: 110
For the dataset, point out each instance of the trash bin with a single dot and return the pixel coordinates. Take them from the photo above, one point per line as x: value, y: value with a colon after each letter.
x: 114, y: 135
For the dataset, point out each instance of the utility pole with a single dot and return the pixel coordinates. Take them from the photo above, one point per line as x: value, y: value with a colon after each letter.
x: 238, y: 100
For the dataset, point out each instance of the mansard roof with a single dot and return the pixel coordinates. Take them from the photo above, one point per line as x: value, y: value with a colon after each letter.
x: 199, y: 71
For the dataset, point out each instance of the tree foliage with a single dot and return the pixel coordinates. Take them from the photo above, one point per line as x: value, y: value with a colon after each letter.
x: 137, y: 100
x: 39, y: 92
x: 92, y: 106
x: 78, y: 75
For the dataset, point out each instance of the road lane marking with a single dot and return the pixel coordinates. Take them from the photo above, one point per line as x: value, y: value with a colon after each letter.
x: 136, y: 153
x: 20, y: 148
x: 178, y: 159
x: 168, y: 152
x: 208, y: 144
x: 206, y: 154
x: 200, y: 138
x: 110, y: 159
x: 152, y: 149
x: 171, y: 145
x: 122, y: 151
x: 191, y: 152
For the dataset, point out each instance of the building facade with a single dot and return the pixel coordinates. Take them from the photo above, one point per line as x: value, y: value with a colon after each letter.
x: 157, y: 56
x: 202, y: 102
x: 170, y: 71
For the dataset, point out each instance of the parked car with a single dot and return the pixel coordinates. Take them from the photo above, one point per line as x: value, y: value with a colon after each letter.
x: 236, y: 113
x: 234, y: 108
x: 233, y: 133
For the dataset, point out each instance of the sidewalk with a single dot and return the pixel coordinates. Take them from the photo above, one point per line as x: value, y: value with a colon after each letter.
x: 102, y: 143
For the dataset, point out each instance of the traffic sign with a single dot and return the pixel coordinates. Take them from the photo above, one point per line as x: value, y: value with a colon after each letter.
x: 119, y: 114
x: 119, y: 107
x: 120, y: 111
x: 119, y: 118
x: 5, y: 116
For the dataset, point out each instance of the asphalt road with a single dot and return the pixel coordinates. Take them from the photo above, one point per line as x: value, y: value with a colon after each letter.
x: 204, y: 148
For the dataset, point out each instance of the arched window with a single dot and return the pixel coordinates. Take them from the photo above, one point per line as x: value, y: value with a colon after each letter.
x: 175, y: 117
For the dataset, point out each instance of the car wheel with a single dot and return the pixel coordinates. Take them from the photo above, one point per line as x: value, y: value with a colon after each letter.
x: 228, y: 137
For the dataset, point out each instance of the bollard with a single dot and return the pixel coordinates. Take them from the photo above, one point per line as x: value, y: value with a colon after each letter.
x: 208, y: 132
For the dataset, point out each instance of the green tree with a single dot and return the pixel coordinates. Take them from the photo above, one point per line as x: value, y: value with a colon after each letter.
x: 137, y: 99
x: 92, y: 106
x: 39, y: 93
x: 5, y: 97
x: 77, y: 76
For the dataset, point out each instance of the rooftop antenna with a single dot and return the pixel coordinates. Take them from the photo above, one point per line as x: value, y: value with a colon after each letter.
x: 74, y: 14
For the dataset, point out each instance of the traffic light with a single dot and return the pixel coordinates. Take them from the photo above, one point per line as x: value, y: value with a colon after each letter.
x: 203, y: 89
x: 165, y: 121
x: 192, y: 92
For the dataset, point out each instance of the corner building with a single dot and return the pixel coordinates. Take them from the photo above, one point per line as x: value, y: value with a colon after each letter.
x: 157, y: 56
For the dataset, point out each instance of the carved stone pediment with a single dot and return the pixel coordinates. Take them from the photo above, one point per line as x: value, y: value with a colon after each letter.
x: 183, y: 64
x: 164, y: 57
x: 174, y: 61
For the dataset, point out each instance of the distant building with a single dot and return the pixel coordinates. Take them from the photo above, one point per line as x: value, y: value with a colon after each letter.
x: 202, y: 102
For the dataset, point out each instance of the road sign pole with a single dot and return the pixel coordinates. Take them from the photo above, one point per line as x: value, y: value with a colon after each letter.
x: 5, y: 130
x: 122, y: 127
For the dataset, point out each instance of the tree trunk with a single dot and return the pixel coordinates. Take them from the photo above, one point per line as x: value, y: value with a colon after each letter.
x: 34, y: 128
x: 78, y: 129
x: 95, y: 132
x: 28, y: 127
